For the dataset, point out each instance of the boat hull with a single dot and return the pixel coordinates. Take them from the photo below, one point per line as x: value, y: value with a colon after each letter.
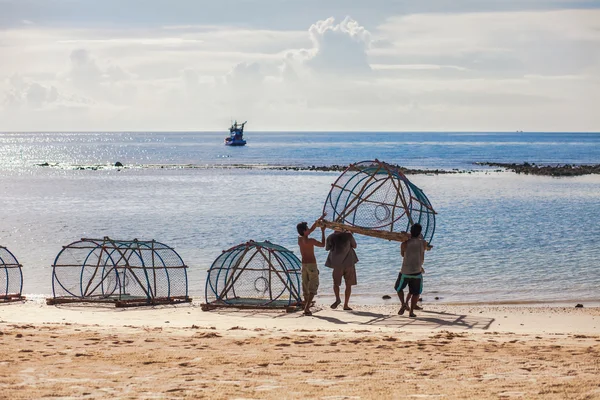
x: 236, y: 143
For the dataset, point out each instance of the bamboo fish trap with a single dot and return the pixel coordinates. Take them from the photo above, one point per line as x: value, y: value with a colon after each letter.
x: 11, y: 277
x: 254, y: 275
x: 124, y: 272
x: 376, y: 199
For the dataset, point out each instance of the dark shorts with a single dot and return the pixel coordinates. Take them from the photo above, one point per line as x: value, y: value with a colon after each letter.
x: 348, y: 273
x: 414, y: 283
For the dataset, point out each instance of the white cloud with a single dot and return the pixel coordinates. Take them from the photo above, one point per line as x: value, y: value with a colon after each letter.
x: 23, y: 93
x: 84, y: 71
x: 499, y: 44
x: 245, y: 74
x: 339, y: 47
x: 37, y: 95
x: 534, y: 70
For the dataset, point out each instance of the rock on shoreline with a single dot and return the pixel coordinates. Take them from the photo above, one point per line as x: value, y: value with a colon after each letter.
x: 321, y: 168
x: 341, y: 168
x: 547, y: 170
x: 525, y: 168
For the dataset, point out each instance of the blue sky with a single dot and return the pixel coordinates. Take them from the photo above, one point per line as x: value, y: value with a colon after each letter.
x: 299, y: 65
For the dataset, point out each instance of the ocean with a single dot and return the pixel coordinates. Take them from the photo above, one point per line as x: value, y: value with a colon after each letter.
x: 500, y: 236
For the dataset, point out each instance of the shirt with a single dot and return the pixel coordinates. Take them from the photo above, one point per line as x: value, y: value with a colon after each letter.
x: 413, y: 257
x: 341, y: 252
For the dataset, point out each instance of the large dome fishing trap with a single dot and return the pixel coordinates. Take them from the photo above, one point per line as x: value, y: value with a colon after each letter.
x: 123, y: 272
x: 11, y: 276
x: 376, y: 199
x: 254, y: 275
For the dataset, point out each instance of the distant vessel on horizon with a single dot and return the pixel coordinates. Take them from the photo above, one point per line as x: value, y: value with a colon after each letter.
x: 236, y: 135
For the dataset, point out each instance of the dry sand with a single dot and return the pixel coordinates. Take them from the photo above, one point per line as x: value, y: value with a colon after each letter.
x: 479, y: 352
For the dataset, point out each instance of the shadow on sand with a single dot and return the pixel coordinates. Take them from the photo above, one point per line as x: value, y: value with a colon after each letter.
x: 427, y: 319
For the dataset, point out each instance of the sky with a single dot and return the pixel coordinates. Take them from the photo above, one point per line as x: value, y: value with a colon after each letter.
x: 300, y: 65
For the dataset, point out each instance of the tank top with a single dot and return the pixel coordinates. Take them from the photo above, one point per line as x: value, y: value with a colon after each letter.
x: 413, y: 257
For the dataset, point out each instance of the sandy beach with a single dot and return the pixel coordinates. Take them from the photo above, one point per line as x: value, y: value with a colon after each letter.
x: 170, y: 352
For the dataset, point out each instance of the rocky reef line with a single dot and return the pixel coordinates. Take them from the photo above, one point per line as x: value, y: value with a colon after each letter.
x: 323, y: 168
x: 525, y: 168
x: 546, y: 170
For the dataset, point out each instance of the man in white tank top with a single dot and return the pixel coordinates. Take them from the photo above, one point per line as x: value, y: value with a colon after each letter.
x: 413, y: 253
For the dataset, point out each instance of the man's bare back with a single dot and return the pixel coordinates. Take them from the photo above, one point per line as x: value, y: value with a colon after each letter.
x: 307, y: 249
x: 307, y: 245
x: 310, y: 271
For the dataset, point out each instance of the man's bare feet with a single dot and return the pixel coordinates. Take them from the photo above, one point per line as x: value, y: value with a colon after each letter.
x: 307, y: 313
x: 336, y: 304
x: 412, y: 315
x: 347, y: 308
x: 401, y: 311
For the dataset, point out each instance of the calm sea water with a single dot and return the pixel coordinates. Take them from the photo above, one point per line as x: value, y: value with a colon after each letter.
x: 499, y: 236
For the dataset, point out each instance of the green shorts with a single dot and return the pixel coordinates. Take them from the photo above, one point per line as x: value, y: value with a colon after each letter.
x: 310, y: 279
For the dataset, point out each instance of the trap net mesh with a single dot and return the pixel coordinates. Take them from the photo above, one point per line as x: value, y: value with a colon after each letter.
x: 11, y: 276
x: 127, y: 272
x: 380, y: 201
x: 254, y: 274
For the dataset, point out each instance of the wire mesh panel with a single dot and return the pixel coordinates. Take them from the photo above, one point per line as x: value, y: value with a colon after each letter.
x: 11, y: 276
x: 126, y: 272
x: 256, y: 275
x: 376, y: 199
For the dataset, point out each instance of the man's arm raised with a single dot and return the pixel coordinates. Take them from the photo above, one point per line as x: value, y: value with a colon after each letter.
x: 314, y: 226
x: 322, y: 242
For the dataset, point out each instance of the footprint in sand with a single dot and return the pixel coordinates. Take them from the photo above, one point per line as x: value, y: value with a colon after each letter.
x: 206, y: 335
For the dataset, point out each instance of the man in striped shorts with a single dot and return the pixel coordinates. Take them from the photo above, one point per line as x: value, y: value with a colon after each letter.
x: 413, y: 253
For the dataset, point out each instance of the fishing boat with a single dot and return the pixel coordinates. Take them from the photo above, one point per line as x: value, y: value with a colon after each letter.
x: 236, y: 135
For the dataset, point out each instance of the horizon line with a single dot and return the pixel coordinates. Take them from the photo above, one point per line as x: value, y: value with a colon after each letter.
x: 290, y: 131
